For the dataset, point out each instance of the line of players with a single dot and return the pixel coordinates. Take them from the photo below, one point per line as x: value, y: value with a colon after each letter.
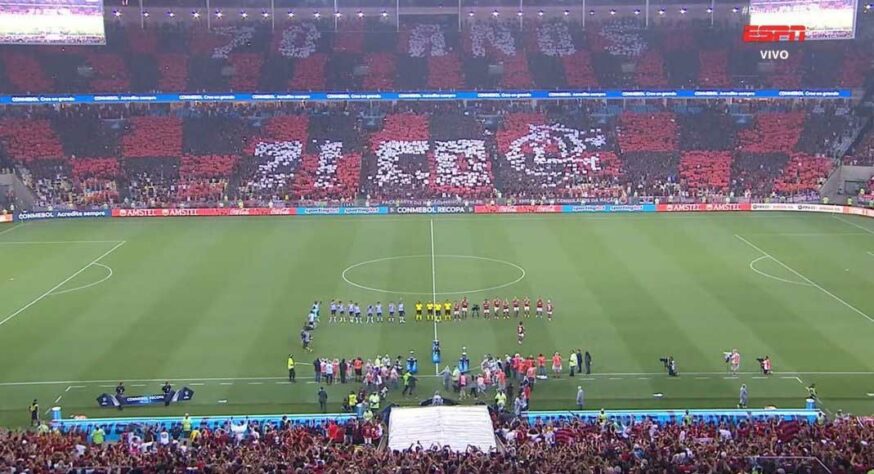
x: 437, y: 311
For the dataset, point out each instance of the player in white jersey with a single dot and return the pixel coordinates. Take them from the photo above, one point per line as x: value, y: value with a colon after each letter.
x: 734, y: 361
x: 402, y: 316
x: 341, y: 308
x: 357, y: 314
x: 391, y: 311
x: 370, y: 313
x: 378, y: 312
x: 333, y: 312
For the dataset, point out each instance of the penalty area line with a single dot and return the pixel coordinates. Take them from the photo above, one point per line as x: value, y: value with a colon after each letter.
x: 16, y: 226
x: 808, y: 280
x: 54, y: 288
x: 858, y: 226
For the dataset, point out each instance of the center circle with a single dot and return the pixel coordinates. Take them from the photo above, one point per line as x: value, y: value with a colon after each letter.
x: 452, y: 272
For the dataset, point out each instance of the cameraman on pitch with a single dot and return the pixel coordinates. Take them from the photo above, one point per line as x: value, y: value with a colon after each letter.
x: 765, y: 364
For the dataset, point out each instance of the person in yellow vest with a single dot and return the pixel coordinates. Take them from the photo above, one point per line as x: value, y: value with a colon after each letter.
x: 291, y: 374
x: 98, y: 436
x: 687, y: 419
x: 849, y: 201
x: 602, y: 417
x: 352, y: 400
x: 186, y: 425
x: 825, y: 200
x: 194, y: 436
x: 373, y: 399
x: 418, y: 310
x: 501, y: 400
x: 368, y: 415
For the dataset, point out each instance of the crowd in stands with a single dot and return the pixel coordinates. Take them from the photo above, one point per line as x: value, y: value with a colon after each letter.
x: 278, y: 155
x: 298, y: 55
x: 527, y: 445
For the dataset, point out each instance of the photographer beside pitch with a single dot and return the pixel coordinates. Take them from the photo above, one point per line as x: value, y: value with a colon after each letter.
x: 670, y: 365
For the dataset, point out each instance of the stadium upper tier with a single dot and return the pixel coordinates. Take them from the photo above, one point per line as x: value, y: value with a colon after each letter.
x: 426, y: 54
x: 205, y: 155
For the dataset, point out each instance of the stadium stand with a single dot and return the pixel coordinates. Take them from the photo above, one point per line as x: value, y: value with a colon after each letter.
x: 436, y: 151
x: 573, y: 445
x: 551, y: 54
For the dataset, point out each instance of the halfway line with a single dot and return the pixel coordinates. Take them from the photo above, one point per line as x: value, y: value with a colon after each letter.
x: 47, y: 293
x: 434, y: 288
x: 808, y: 280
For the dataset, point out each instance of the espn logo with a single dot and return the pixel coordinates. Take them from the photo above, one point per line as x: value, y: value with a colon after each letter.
x: 773, y: 33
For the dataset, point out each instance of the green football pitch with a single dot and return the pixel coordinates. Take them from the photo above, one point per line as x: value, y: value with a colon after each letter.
x: 217, y: 303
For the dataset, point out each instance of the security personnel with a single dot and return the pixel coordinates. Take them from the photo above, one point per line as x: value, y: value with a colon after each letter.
x: 687, y: 419
x: 291, y: 374
x: 34, y: 413
x: 602, y: 417
x: 323, y: 399
x: 353, y: 400
x: 373, y: 399
x: 186, y: 426
x: 500, y: 400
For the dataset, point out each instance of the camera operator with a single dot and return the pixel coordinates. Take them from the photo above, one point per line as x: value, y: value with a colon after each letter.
x: 670, y: 365
x: 765, y: 365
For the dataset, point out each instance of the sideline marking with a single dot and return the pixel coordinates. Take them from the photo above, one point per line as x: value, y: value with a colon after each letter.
x: 522, y: 275
x: 768, y: 275
x: 107, y: 277
x: 858, y: 226
x: 12, y: 228
x: 58, y: 242
x: 808, y: 280
x: 74, y: 275
x: 871, y: 254
x: 230, y: 380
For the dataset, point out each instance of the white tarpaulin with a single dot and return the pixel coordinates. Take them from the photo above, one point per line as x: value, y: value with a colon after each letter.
x: 456, y: 427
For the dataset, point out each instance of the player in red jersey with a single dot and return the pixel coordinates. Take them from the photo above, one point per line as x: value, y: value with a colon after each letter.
x: 520, y: 333
x: 486, y: 308
x: 527, y: 305
x: 456, y: 311
x: 506, y: 309
x: 497, y: 305
x: 556, y: 365
x: 516, y: 307
x: 464, y: 308
x: 549, y: 310
x: 539, y: 306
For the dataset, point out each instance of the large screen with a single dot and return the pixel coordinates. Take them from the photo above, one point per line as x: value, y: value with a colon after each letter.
x: 824, y: 19
x: 51, y: 22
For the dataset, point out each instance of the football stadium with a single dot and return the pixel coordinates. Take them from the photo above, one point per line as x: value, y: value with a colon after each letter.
x: 422, y: 237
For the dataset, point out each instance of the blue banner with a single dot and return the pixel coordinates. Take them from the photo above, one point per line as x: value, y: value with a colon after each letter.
x: 336, y: 211
x: 30, y: 216
x: 574, y: 208
x: 425, y: 95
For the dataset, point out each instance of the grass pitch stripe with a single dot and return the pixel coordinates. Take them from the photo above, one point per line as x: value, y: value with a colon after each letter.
x: 52, y: 290
x: 808, y: 280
